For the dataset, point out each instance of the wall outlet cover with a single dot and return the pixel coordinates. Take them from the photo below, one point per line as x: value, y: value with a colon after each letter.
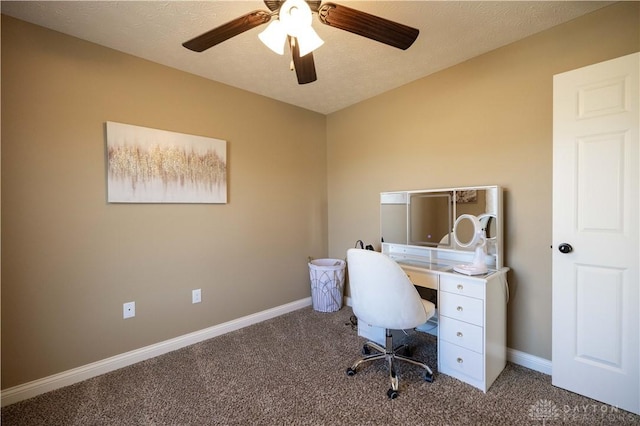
x: 196, y: 296
x: 129, y: 310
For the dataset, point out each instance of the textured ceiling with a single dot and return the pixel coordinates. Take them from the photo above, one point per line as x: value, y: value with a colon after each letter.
x: 350, y: 68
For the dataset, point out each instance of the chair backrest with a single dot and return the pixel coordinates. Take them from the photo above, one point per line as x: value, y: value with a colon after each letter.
x: 381, y: 293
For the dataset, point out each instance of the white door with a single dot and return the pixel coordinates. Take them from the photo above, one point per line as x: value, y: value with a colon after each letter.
x: 596, y: 212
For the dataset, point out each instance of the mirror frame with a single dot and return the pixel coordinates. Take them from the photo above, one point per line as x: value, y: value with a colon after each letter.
x: 428, y: 249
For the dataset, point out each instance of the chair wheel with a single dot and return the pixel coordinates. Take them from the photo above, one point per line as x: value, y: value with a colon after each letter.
x: 392, y: 394
x: 351, y: 372
x: 428, y: 377
x: 365, y: 350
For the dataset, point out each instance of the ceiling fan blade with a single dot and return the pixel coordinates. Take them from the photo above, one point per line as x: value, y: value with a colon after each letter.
x: 305, y: 66
x: 228, y: 30
x: 369, y: 26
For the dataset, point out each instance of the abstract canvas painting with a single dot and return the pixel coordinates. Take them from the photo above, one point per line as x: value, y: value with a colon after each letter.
x: 157, y: 166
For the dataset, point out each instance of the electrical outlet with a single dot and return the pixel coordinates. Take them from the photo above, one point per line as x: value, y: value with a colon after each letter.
x: 196, y: 296
x: 129, y: 310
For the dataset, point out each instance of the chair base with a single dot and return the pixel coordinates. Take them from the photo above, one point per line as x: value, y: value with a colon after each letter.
x: 391, y: 355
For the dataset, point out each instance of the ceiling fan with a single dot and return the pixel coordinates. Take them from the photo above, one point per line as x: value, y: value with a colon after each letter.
x: 293, y: 27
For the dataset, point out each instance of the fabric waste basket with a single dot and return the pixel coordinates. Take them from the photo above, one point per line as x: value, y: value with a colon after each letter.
x: 327, y: 284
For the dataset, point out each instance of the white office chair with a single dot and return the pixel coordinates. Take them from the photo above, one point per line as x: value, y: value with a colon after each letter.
x: 383, y: 296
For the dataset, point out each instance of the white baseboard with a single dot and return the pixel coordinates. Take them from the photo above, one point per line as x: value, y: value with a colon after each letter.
x: 69, y: 377
x: 530, y: 361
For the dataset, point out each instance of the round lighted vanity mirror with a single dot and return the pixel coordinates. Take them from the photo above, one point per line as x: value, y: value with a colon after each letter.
x: 467, y: 231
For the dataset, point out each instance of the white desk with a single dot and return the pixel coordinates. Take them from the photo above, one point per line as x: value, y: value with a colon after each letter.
x: 472, y: 330
x: 471, y: 321
x: 471, y: 310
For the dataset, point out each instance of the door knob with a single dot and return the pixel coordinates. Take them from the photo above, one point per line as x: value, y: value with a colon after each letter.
x: 565, y: 248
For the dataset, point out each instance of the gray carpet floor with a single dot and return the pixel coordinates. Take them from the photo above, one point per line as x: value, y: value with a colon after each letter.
x: 290, y: 370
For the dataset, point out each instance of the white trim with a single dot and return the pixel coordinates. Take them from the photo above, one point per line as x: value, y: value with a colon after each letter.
x: 69, y: 377
x: 530, y: 361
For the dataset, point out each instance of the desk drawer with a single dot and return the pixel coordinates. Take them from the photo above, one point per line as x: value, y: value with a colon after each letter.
x: 462, y: 308
x: 422, y: 279
x: 461, y: 333
x: 464, y: 286
x: 461, y: 360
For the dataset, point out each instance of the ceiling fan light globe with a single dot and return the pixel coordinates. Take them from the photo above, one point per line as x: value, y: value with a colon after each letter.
x: 274, y: 37
x: 308, y: 41
x: 295, y: 16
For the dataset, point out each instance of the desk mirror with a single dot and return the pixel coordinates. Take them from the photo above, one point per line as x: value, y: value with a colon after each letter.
x: 426, y: 218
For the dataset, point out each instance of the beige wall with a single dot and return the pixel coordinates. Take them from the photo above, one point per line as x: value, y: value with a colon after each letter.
x: 70, y: 259
x: 486, y: 121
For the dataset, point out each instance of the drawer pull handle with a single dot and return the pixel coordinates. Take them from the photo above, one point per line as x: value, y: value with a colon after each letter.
x: 459, y: 308
x: 459, y: 334
x: 460, y: 287
x: 460, y: 360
